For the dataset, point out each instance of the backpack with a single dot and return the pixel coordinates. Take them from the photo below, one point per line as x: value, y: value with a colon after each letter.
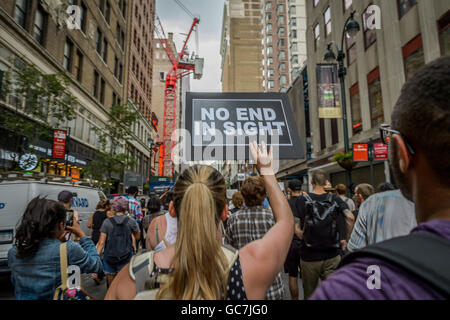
x: 119, y: 246
x: 426, y: 256
x: 320, y: 228
x: 147, y: 286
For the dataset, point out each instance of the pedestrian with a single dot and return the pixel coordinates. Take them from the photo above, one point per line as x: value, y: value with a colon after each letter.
x: 153, y: 211
x: 66, y: 199
x: 103, y: 212
x: 238, y: 202
x: 292, y: 263
x: 252, y: 223
x: 382, y: 216
x: 341, y: 191
x: 162, y: 231
x: 415, y: 266
x: 135, y: 210
x: 323, y: 237
x: 35, y: 257
x: 197, y: 267
x: 116, y: 239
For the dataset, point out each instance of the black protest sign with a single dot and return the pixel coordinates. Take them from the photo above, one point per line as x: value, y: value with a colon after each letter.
x: 221, y: 125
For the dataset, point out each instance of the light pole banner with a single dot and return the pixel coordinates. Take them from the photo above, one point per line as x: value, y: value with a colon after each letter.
x: 220, y: 126
x: 329, y: 104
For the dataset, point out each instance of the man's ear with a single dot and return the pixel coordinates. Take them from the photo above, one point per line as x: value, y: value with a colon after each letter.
x: 224, y: 214
x: 172, y: 210
x: 402, y: 153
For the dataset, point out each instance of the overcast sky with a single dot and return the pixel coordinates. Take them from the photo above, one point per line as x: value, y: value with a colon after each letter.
x: 175, y: 20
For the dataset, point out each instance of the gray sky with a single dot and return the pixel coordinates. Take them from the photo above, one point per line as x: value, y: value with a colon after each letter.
x: 175, y: 20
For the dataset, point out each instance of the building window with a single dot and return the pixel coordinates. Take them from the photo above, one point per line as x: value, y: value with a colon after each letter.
x: 83, y: 13
x: 271, y: 84
x: 375, y: 98
x: 120, y: 73
x: 107, y: 12
x: 78, y: 65
x: 404, y: 6
x: 269, y: 39
x: 271, y: 73
x: 316, y: 36
x: 294, y: 46
x: 294, y: 34
x: 444, y: 34
x: 281, y: 31
x: 105, y: 50
x: 351, y: 49
x: 20, y: 12
x: 283, y: 80
x: 355, y: 103
x: 116, y: 67
x: 370, y: 36
x: 99, y: 41
x: 270, y: 60
x: 269, y: 27
x: 67, y: 61
x: 327, y: 18
x: 102, y: 91
x: 269, y: 50
x: 280, y: 8
x: 280, y: 20
x: 95, y: 87
x: 39, y: 24
x: 347, y: 4
x: 269, y: 6
x: 282, y: 55
x: 294, y: 59
x: 413, y: 58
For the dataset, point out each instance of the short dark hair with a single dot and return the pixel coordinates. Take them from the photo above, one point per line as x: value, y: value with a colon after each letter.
x: 295, y: 185
x: 422, y: 115
x: 319, y: 178
x: 154, y: 204
x: 254, y: 191
x: 341, y: 189
x: 65, y: 196
x: 385, y: 186
x: 133, y: 190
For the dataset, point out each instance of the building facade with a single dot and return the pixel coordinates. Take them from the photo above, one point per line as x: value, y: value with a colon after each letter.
x: 241, y: 46
x: 297, y: 25
x: 140, y: 50
x: 94, y: 57
x: 275, y: 51
x: 410, y: 34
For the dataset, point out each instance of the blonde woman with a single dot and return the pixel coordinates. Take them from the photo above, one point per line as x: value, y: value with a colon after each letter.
x: 196, y: 264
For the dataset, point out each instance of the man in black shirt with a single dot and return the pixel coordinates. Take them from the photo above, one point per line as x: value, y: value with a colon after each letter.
x: 320, y: 262
x: 292, y: 263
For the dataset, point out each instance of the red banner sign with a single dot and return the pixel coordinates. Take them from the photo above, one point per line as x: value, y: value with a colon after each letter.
x: 59, y: 144
x: 380, y: 151
x: 360, y: 152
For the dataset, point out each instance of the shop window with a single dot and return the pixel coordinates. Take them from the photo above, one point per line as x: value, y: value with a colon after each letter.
x: 355, y: 103
x: 375, y: 98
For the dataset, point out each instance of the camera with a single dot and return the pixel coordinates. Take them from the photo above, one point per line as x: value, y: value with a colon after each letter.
x: 69, y: 218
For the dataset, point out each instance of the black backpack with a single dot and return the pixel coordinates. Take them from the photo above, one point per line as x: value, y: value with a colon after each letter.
x: 119, y: 246
x: 426, y: 256
x: 320, y: 228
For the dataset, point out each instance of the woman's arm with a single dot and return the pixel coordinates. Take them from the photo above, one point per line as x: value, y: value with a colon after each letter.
x: 101, y: 243
x: 90, y: 221
x: 269, y: 253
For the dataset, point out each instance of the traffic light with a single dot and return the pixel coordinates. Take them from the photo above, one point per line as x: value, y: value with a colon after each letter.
x: 154, y: 121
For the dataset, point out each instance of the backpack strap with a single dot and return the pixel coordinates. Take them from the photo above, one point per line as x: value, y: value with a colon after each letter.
x: 141, y: 267
x: 424, y: 255
x: 308, y: 197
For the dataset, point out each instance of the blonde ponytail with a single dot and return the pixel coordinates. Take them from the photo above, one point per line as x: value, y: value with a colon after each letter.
x: 200, y: 265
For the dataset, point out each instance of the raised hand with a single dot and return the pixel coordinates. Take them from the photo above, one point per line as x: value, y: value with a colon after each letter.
x: 263, y: 159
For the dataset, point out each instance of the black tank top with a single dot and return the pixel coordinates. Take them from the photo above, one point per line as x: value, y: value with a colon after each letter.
x: 97, y: 221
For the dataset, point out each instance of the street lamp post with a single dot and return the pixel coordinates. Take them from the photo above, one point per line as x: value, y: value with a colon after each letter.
x: 352, y: 28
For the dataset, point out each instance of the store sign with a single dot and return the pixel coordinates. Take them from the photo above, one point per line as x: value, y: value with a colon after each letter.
x: 380, y: 151
x: 59, y: 144
x: 328, y: 91
x: 220, y: 126
x: 360, y: 152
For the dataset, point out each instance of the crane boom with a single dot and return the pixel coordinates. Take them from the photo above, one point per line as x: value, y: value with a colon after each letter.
x: 180, y: 67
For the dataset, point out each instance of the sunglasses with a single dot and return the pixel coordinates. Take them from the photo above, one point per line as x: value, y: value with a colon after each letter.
x: 386, y: 135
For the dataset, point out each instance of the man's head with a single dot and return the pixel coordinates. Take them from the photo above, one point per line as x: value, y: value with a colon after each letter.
x: 422, y: 116
x: 319, y: 178
x: 253, y: 191
x: 341, y: 189
x: 66, y: 198
x: 133, y: 191
x: 295, y: 187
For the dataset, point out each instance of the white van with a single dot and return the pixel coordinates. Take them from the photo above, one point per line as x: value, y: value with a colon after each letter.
x: 15, y: 196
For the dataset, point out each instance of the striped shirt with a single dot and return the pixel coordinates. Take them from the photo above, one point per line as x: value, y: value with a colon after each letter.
x: 382, y: 216
x: 250, y: 224
x: 134, y: 209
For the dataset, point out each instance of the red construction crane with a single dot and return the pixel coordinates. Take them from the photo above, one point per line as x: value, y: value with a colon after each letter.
x: 182, y: 65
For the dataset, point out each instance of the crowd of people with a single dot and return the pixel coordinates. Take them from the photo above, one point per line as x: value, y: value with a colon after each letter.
x: 195, y: 243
